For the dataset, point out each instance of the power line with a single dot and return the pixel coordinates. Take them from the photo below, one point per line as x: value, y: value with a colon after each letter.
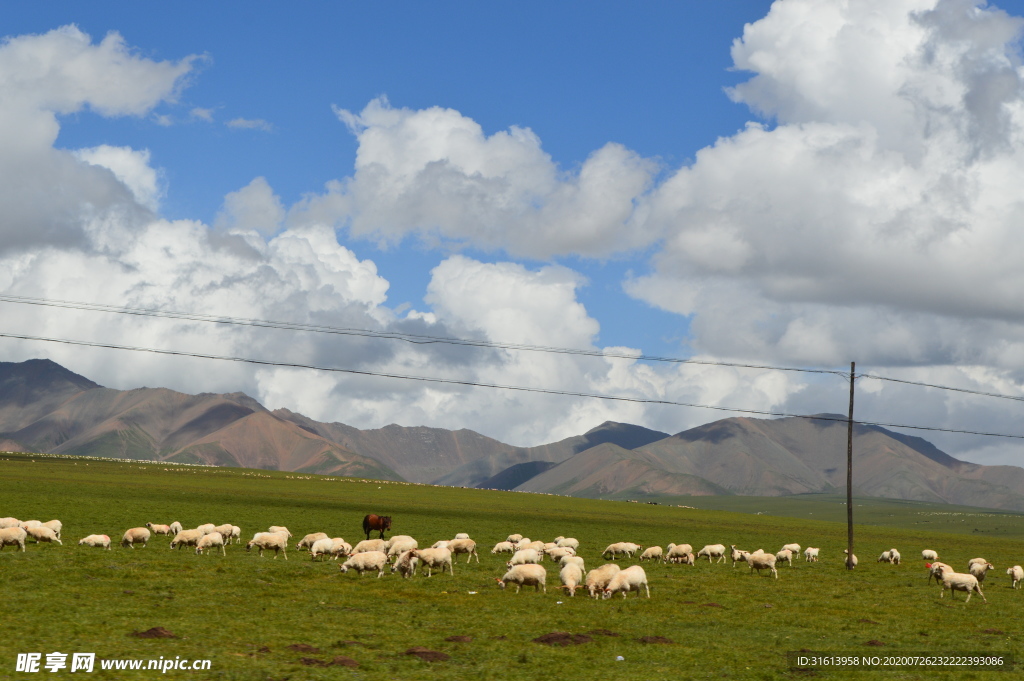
x: 452, y: 381
x: 1017, y: 398
x: 417, y: 339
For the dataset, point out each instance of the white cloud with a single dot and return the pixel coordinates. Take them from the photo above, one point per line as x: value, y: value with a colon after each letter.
x: 249, y: 124
x: 202, y: 114
x: 129, y: 166
x: 254, y: 207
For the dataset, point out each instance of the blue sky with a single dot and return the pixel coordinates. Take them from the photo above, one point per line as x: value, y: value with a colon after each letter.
x: 802, y: 183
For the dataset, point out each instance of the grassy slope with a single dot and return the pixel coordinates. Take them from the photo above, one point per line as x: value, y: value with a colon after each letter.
x: 724, y: 621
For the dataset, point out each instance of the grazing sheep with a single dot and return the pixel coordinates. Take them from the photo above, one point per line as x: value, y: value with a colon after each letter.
x: 713, y: 551
x: 678, y: 551
x: 368, y: 545
x: 653, y: 553
x: 784, y: 556
x: 186, y: 538
x: 54, y: 525
x: 207, y: 528
x: 568, y: 543
x: 175, y: 528
x: 513, y: 538
x: 467, y: 546
x: 851, y: 560
x: 503, y: 547
x: 974, y: 561
x: 363, y: 562
x: 210, y: 541
x: 792, y: 548
x: 340, y: 547
x: 462, y: 535
x: 395, y: 539
x: 557, y: 553
x: 31, y: 523
x: 630, y: 579
x: 737, y: 555
x: 265, y: 541
x: 895, y: 556
x: 321, y: 547
x: 622, y: 548
x: 9, y: 522
x: 1016, y: 575
x: 225, y: 531
x: 310, y: 539
x: 686, y: 559
x: 573, y: 560
x: 537, y: 546
x: 886, y: 557
x: 236, y: 535
x: 811, y: 554
x: 43, y: 534
x: 443, y: 544
x: 136, y: 535
x: 523, y: 557
x: 159, y: 529
x: 928, y: 554
x: 398, y: 548
x: 279, y: 528
x: 522, y: 542
x: 979, y: 570
x: 435, y: 558
x: 571, y: 576
x: 100, y: 541
x: 525, y: 575
x: 759, y: 560
x: 598, y: 580
x: 936, y: 569
x: 13, y: 536
x: 406, y: 565
x: 955, y: 581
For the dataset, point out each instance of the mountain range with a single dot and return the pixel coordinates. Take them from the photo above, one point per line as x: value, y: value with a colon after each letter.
x: 47, y: 408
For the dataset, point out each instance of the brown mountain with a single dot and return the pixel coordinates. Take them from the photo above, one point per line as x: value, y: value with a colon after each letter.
x: 784, y: 456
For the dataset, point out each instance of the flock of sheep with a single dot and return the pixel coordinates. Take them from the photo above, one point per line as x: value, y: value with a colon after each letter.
x: 401, y: 553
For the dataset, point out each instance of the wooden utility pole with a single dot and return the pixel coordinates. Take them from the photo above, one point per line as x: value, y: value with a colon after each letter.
x: 849, y: 475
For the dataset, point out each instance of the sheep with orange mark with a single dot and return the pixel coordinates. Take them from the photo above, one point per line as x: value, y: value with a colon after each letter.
x: 99, y: 541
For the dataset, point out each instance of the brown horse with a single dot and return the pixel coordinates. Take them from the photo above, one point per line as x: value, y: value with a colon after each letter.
x: 376, y: 522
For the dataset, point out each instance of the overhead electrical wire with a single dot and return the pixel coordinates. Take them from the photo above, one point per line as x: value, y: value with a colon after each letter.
x: 452, y: 381
x: 1017, y: 398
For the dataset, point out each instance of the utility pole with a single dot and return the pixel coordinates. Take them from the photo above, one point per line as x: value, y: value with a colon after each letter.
x: 849, y: 475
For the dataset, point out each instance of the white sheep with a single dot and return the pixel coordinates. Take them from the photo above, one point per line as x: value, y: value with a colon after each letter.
x: 175, y: 528
x: 236, y: 534
x: 398, y: 548
x: 135, y: 535
x: 1016, y: 575
x: 686, y: 559
x: 571, y: 576
x: 279, y: 528
x: 368, y: 545
x: 886, y: 557
x: 435, y: 558
x: 811, y: 554
x: 366, y: 561
x: 13, y: 536
x: 513, y: 538
x: 467, y: 546
x: 340, y: 547
x: 622, y: 548
x: 265, y: 541
x: 321, y: 547
x: 310, y: 539
x: 442, y: 544
x: 210, y: 541
x: 784, y: 556
x: 979, y: 570
x: 395, y: 539
x: 630, y: 579
x: 462, y: 535
x: 573, y: 560
x: 894, y: 556
x: 100, y: 541
x: 851, y: 560
x: 186, y: 538
x: 207, y: 528
x: 598, y: 580
x: 737, y: 555
x: 522, y: 542
x: 974, y: 561
x: 54, y: 525
x: 42, y: 533
x: 936, y: 569
x: 569, y: 543
x: 406, y: 565
x: 713, y: 551
x: 759, y: 560
x: 956, y: 581
x: 525, y: 575
x: 792, y: 548
x: 653, y: 553
x: 225, y: 531
x: 9, y: 522
x: 159, y: 529
x: 928, y: 554
x: 524, y: 556
x: 31, y: 523
x: 503, y: 547
x: 676, y: 552
x: 537, y: 546
x: 556, y: 554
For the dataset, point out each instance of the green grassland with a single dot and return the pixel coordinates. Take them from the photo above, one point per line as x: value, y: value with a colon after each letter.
x: 243, y: 612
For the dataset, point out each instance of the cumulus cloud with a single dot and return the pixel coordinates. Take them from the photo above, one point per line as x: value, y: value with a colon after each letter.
x: 131, y: 168
x: 434, y: 173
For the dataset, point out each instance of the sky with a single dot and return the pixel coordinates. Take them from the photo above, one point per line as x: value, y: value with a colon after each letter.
x: 802, y: 183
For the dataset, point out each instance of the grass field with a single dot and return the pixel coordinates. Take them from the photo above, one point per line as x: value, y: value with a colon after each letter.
x: 244, y: 612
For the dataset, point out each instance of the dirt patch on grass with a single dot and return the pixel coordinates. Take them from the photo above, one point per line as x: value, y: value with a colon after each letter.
x: 602, y: 632
x: 155, y: 632
x: 460, y: 639
x: 866, y: 621
x: 427, y: 654
x: 711, y: 605
x: 303, y: 648
x: 994, y: 632
x: 873, y: 642
x: 655, y: 639
x: 562, y: 638
x: 342, y: 661
x: 345, y: 644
